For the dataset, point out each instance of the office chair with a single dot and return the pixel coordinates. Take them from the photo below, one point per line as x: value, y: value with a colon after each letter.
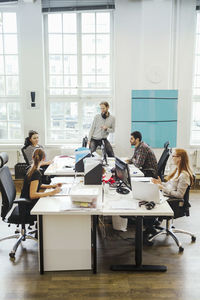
x: 163, y: 160
x: 46, y: 179
x: 84, y: 142
x: 180, y: 208
x: 14, y: 211
x: 23, y: 149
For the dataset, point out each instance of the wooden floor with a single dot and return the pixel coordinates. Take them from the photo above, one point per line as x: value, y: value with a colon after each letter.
x: 21, y: 279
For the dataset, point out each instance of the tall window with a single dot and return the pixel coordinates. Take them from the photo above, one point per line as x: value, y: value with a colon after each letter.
x: 78, y: 51
x: 10, y: 123
x: 195, y: 137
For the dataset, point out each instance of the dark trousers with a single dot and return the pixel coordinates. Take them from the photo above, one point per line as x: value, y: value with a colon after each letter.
x: 95, y: 143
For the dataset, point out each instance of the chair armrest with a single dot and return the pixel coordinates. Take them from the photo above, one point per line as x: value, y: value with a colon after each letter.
x: 175, y: 199
x: 22, y: 201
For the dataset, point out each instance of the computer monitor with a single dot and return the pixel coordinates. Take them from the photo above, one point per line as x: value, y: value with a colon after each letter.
x: 123, y: 175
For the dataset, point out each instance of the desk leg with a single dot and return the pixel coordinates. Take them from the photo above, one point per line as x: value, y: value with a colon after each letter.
x: 94, y: 244
x: 41, y: 245
x: 138, y: 254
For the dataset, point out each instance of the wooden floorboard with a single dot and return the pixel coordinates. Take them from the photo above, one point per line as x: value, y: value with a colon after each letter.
x: 21, y: 279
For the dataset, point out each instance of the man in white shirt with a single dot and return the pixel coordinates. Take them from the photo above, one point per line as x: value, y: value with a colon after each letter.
x: 102, y: 125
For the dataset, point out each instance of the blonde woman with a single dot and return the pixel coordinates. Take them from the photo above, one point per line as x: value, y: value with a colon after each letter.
x: 180, y: 178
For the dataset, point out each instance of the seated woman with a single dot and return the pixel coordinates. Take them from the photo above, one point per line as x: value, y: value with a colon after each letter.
x: 180, y: 178
x: 30, y: 145
x: 32, y: 181
x: 175, y: 187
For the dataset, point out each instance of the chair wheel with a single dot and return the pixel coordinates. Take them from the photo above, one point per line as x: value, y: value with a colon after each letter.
x: 12, y: 255
x: 193, y: 238
x: 146, y: 239
x: 181, y: 249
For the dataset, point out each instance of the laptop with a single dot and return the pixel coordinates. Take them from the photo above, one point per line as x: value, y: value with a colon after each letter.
x: 147, y: 191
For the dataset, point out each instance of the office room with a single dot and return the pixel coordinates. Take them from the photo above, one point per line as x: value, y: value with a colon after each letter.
x: 59, y: 60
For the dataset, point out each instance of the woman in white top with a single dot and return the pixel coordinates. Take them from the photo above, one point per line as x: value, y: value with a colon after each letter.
x: 180, y: 178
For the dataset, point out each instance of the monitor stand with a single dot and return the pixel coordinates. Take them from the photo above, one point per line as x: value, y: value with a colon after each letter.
x: 122, y: 190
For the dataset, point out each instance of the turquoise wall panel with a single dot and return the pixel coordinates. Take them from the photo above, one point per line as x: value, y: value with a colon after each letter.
x: 154, y: 93
x: 156, y: 134
x: 154, y: 109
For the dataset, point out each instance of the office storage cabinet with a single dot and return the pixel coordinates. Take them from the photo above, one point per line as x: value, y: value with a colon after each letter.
x: 154, y: 114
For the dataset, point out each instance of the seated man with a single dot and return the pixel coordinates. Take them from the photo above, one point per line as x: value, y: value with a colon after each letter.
x: 143, y: 157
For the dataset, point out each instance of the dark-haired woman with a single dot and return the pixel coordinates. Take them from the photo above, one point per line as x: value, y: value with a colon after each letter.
x: 31, y: 143
x: 32, y: 181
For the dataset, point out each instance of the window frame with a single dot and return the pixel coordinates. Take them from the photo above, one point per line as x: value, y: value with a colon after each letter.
x: 7, y: 99
x: 79, y: 98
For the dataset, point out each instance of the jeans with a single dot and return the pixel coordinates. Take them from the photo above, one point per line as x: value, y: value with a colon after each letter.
x: 95, y: 143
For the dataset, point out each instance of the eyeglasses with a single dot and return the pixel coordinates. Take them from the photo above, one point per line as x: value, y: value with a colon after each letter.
x: 175, y: 155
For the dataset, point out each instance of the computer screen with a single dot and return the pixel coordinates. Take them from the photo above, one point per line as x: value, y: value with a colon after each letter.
x: 122, y: 172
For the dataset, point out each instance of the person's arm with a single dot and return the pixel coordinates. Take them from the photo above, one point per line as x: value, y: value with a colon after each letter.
x: 50, y: 186
x: 46, y: 163
x: 111, y: 129
x: 140, y: 158
x: 183, y: 182
x: 35, y: 195
x: 92, y: 130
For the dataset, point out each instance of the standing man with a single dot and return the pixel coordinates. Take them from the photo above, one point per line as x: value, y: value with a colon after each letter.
x: 143, y: 157
x: 102, y: 125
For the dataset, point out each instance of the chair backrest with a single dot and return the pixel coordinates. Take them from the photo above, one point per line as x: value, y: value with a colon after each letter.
x: 23, y: 149
x: 84, y: 142
x: 7, y: 188
x: 163, y: 160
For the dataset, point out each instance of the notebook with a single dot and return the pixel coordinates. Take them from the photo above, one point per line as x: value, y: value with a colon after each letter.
x: 147, y: 191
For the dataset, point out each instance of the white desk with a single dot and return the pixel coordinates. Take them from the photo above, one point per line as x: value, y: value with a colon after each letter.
x: 65, y: 234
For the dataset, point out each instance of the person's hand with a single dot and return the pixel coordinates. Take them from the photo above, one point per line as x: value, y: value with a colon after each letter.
x: 55, y: 191
x: 57, y: 185
x: 104, y: 127
x: 156, y: 181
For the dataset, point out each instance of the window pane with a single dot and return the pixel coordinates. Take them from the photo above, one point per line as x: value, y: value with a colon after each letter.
x: 1, y: 23
x: 54, y: 23
x: 55, y: 43
x: 1, y: 65
x: 88, y: 64
x: 1, y: 44
x: 2, y: 85
x: 88, y: 43
x: 70, y: 64
x: 103, y: 64
x: 3, y: 112
x: 12, y: 85
x: 3, y: 131
x: 69, y: 23
x: 13, y: 111
x: 89, y: 81
x: 197, y: 65
x: 55, y: 64
x: 9, y: 23
x: 103, y: 43
x: 88, y: 22
x: 10, y: 44
x: 11, y: 64
x: 103, y: 22
x: 90, y: 109
x: 103, y: 81
x: 56, y: 92
x: 56, y: 81
x: 70, y: 81
x: 14, y: 130
x: 70, y: 44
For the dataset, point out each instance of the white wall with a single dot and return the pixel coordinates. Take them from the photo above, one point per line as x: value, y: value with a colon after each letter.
x: 153, y: 49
